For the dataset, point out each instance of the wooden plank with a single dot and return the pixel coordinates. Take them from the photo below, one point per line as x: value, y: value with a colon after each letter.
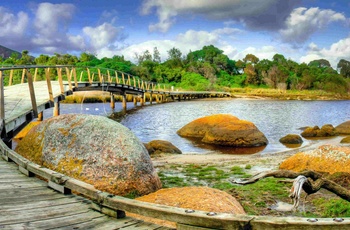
x: 54, y: 222
x: 103, y: 223
x: 20, y: 216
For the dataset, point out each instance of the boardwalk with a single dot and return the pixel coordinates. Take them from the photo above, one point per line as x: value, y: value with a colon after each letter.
x: 27, y: 203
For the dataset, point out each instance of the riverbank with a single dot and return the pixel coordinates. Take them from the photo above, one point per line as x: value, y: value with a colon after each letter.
x: 261, y: 198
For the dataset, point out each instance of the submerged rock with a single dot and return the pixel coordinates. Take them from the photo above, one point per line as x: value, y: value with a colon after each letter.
x: 291, y: 139
x: 93, y: 149
x: 226, y: 130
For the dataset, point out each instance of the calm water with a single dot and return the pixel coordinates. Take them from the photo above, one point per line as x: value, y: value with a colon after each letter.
x: 273, y: 117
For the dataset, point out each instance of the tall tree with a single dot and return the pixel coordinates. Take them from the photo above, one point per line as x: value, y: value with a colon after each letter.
x: 156, y: 55
x: 251, y: 58
x: 344, y: 68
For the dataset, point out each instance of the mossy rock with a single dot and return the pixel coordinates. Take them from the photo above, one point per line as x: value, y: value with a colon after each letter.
x: 345, y: 140
x: 291, y: 139
x: 94, y: 149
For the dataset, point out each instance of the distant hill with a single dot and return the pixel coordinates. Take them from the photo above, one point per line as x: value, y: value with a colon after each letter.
x: 6, y: 52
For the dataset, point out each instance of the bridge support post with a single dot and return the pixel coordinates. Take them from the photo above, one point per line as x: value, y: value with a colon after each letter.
x: 144, y: 99
x: 135, y: 100
x: 40, y: 116
x: 151, y: 98
x: 142, y: 102
x: 56, y: 109
x: 124, y: 101
x: 112, y: 101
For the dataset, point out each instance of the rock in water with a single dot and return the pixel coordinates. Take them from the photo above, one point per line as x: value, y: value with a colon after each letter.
x: 226, y: 130
x: 161, y: 146
x: 343, y: 128
x: 291, y: 139
x: 93, y: 149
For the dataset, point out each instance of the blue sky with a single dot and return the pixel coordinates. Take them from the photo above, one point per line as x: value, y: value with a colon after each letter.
x: 302, y: 30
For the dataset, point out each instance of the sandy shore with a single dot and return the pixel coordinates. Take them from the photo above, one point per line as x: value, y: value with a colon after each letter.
x: 266, y: 161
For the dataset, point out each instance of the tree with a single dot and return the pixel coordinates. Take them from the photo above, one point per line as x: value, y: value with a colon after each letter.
x: 251, y: 58
x: 249, y: 70
x: 156, y: 55
x: 279, y: 59
x: 85, y: 57
x: 275, y: 76
x: 240, y: 65
x: 25, y: 59
x: 42, y: 59
x: 320, y: 63
x: 174, y: 58
x: 344, y: 68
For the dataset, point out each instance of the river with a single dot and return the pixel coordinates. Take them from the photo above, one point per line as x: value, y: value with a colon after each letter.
x: 275, y: 118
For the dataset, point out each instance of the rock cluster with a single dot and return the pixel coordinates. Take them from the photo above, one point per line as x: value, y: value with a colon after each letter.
x: 93, y: 149
x: 326, y: 158
x: 226, y: 130
x: 325, y: 131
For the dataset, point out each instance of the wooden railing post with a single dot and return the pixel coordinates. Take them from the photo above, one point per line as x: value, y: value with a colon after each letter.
x: 75, y: 77
x: 32, y: 92
x: 123, y: 78
x: 128, y: 83
x: 99, y: 75
x: 109, y: 77
x: 23, y: 74
x: 2, y: 102
x: 35, y: 74
x: 134, y: 81
x: 49, y: 86
x: 89, y: 76
x: 69, y: 78
x: 116, y: 77
x: 11, y: 76
x: 81, y: 75
x: 60, y: 80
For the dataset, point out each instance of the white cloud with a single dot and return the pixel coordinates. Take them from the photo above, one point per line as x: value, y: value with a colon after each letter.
x: 191, y: 40
x: 303, y: 22
x: 265, y: 52
x: 12, y: 26
x: 255, y: 14
x: 102, y: 35
x: 52, y: 20
x: 337, y: 51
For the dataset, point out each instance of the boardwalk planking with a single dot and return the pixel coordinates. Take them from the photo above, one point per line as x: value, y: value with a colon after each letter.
x: 27, y: 203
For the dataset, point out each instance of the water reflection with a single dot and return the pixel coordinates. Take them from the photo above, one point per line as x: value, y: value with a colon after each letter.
x: 275, y: 118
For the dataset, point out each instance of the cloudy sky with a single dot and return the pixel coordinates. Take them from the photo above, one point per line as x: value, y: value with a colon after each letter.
x: 302, y: 30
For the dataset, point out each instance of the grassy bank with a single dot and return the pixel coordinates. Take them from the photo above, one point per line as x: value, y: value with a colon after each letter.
x: 256, y: 199
x: 288, y: 94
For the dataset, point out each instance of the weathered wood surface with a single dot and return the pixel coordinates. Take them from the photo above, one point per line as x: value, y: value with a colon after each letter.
x: 18, y: 101
x: 27, y: 203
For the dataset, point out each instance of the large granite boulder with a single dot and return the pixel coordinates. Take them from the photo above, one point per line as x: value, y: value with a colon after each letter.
x: 192, y: 198
x: 161, y: 146
x: 326, y: 158
x: 325, y: 131
x: 343, y: 128
x: 226, y: 130
x: 93, y: 149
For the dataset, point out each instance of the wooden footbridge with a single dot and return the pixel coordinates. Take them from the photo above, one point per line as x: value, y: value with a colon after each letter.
x: 27, y: 202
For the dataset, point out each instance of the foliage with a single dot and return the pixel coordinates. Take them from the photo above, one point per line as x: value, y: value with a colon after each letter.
x: 207, y: 69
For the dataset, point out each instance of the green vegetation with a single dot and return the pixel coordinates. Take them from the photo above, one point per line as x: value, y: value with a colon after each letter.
x: 208, y: 69
x: 256, y: 198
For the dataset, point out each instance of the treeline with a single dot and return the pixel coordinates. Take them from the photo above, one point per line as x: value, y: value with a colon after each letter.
x: 210, y: 69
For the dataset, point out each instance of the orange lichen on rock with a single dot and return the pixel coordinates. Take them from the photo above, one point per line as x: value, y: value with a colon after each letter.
x: 195, y: 198
x: 326, y: 158
x: 226, y: 130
